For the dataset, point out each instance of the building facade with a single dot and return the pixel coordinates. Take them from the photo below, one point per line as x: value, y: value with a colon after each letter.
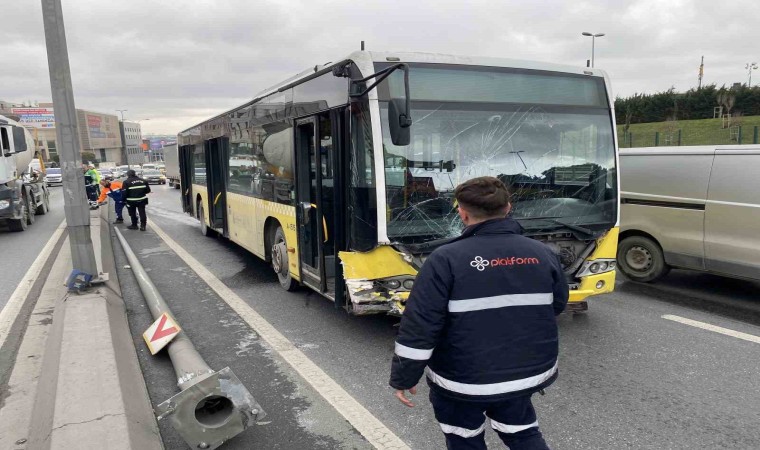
x: 131, y: 135
x: 100, y: 135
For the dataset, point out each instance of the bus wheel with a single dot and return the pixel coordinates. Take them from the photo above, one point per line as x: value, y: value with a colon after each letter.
x: 280, y: 262
x: 205, y: 230
x: 641, y: 259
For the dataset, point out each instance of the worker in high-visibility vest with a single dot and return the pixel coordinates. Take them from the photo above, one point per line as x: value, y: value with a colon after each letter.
x: 113, y: 189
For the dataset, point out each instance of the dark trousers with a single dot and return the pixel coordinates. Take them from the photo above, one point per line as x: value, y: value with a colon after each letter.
x: 119, y: 207
x: 464, y: 423
x: 92, y: 192
x: 134, y: 209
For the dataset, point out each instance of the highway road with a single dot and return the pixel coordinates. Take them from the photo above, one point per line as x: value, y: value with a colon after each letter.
x: 19, y: 250
x: 667, y: 366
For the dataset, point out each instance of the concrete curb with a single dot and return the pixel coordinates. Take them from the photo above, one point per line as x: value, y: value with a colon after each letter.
x: 90, y: 392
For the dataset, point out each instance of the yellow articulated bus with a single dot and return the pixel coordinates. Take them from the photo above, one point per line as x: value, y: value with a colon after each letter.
x: 343, y: 176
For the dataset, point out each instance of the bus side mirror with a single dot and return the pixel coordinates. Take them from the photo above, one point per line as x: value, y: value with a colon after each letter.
x: 399, y: 122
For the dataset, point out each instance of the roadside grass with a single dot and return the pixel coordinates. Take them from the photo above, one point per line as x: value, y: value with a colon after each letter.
x: 693, y: 132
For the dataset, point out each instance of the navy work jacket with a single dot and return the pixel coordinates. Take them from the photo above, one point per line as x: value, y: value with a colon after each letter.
x: 135, y: 191
x: 480, y: 320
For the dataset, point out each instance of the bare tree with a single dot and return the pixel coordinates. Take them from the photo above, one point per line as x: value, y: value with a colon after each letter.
x: 727, y: 100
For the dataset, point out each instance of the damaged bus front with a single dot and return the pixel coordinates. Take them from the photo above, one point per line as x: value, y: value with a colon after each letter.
x: 546, y: 131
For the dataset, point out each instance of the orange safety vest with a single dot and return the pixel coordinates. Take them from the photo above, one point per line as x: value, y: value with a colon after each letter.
x: 115, y: 186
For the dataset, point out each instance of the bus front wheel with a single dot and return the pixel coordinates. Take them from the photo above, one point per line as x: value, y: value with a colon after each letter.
x: 280, y: 261
x: 641, y: 259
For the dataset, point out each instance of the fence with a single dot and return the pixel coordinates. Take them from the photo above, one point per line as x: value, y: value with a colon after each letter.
x: 726, y: 136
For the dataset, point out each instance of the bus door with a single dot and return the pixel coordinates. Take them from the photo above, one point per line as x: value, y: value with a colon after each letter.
x: 217, y: 169
x: 316, y: 193
x: 185, y: 156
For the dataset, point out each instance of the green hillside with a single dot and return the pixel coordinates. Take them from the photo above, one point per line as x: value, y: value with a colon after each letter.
x: 692, y: 132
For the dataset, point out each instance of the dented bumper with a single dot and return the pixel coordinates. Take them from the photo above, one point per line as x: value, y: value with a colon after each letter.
x: 378, y: 281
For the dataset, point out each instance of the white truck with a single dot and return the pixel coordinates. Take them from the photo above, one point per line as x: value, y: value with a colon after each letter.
x: 23, y: 192
x: 171, y: 159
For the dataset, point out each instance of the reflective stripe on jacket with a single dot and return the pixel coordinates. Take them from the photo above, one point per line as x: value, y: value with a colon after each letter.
x: 136, y: 190
x: 480, y: 320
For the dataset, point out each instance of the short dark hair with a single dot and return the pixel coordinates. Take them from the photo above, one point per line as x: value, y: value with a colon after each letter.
x: 483, y: 196
x: 131, y: 173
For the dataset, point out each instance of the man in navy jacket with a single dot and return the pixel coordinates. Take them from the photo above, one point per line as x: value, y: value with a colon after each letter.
x: 480, y: 322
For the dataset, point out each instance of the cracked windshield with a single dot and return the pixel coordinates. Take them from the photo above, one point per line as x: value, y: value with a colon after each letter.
x: 548, y: 137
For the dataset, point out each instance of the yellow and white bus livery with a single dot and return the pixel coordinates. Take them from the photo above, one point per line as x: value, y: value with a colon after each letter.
x: 343, y: 176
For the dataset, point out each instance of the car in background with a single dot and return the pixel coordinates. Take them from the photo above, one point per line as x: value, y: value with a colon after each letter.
x: 53, y: 175
x: 153, y: 176
x: 120, y: 171
x: 106, y: 174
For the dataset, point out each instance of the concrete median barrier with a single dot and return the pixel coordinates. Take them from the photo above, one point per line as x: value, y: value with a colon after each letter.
x: 76, y: 381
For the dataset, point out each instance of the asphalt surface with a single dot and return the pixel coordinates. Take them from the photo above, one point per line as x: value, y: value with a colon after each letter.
x: 19, y: 250
x: 628, y: 377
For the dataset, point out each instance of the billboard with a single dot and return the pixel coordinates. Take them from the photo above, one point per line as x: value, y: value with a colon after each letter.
x: 159, y: 143
x: 35, y: 117
x: 103, y: 130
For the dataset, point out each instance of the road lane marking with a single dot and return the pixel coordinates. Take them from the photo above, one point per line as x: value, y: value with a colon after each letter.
x: 715, y: 328
x: 16, y: 301
x: 380, y: 436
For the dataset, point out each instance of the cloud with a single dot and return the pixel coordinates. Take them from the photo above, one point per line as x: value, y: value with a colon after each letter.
x: 176, y: 63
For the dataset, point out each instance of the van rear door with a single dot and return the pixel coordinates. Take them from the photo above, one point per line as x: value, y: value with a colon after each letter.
x: 732, y: 214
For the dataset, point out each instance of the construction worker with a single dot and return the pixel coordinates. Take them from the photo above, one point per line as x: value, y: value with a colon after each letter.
x: 113, y: 189
x: 94, y: 174
x: 136, y: 192
x: 480, y: 322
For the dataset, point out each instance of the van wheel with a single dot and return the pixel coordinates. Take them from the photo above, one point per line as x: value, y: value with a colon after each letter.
x: 641, y: 259
x: 280, y: 261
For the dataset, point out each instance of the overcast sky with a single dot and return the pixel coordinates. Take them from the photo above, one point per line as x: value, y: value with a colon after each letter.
x: 178, y: 62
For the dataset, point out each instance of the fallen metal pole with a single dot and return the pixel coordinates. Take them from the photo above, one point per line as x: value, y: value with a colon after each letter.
x: 212, y: 407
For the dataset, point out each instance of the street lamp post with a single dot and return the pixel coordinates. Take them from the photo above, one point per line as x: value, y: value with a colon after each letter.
x: 750, y: 67
x: 123, y: 136
x: 593, y: 37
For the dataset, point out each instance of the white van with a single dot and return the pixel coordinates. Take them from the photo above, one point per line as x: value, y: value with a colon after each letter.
x: 692, y: 208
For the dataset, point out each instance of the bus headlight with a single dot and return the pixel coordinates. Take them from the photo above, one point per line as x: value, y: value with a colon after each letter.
x: 595, y: 267
x: 4, y: 204
x: 408, y: 284
x: 393, y: 284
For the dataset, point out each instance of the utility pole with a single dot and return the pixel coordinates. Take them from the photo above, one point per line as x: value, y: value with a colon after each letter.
x: 67, y: 133
x: 750, y: 67
x: 701, y: 72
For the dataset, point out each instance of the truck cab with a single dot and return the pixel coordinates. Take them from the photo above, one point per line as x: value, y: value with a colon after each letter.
x: 23, y: 192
